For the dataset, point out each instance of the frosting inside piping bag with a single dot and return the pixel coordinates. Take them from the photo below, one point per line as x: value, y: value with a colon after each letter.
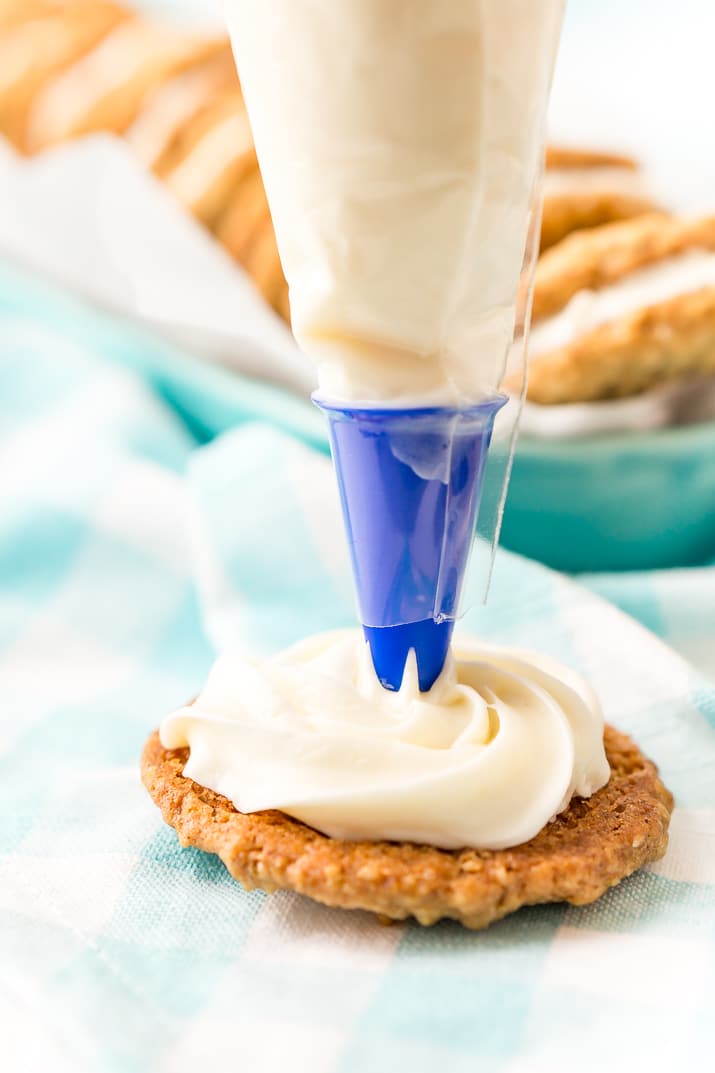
x: 400, y: 144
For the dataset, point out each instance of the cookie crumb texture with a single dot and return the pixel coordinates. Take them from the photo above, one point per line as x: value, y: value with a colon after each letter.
x: 635, y: 352
x: 589, y: 207
x: 576, y: 858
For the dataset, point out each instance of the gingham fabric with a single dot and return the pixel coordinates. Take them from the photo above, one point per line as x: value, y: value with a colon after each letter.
x: 126, y: 552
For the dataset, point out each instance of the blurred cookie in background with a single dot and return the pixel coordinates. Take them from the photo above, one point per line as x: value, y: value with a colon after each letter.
x: 173, y: 104
x: 40, y: 43
x: 14, y: 11
x: 106, y: 87
x: 246, y: 230
x: 211, y: 155
x: 77, y: 67
x: 623, y: 308
x: 585, y: 188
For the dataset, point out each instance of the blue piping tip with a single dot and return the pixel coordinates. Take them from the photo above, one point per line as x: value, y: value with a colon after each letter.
x: 410, y: 483
x: 391, y: 645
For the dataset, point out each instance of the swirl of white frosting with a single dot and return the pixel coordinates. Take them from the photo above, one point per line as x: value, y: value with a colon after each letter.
x: 495, y: 750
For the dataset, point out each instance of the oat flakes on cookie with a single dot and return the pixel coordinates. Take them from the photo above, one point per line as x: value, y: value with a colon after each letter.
x: 584, y: 189
x: 623, y: 308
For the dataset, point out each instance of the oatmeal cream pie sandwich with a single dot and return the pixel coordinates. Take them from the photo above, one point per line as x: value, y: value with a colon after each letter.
x: 105, y: 88
x: 38, y: 42
x: 586, y: 188
x: 210, y: 156
x: 175, y: 103
x: 210, y: 166
x: 245, y: 228
x: 622, y: 309
x: 14, y: 11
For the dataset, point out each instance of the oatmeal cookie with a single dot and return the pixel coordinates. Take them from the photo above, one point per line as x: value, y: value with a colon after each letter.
x: 586, y: 850
x: 622, y: 309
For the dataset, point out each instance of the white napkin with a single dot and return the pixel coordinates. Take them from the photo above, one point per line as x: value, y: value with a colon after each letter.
x: 90, y: 215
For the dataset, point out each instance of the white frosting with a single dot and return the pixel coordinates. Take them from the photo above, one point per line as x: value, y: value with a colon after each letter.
x: 685, y: 273
x: 561, y: 182
x: 400, y: 143
x: 494, y: 751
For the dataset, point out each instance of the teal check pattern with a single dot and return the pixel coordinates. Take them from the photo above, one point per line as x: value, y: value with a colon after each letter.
x: 152, y: 509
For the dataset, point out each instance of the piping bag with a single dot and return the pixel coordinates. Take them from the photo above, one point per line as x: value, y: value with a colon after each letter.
x: 400, y: 146
x: 422, y: 491
x: 421, y: 488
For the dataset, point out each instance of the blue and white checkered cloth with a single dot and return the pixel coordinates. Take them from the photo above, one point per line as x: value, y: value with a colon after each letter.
x: 126, y: 550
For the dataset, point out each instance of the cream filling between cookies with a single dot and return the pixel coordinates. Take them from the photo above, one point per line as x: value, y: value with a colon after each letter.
x: 491, y: 754
x: 670, y: 278
x: 564, y: 182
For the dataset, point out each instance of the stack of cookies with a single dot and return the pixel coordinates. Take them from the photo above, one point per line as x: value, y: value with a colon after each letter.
x: 623, y: 308
x: 584, y: 189
x: 75, y: 67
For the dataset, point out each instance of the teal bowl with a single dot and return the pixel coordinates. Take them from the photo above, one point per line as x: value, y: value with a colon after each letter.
x: 626, y: 501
